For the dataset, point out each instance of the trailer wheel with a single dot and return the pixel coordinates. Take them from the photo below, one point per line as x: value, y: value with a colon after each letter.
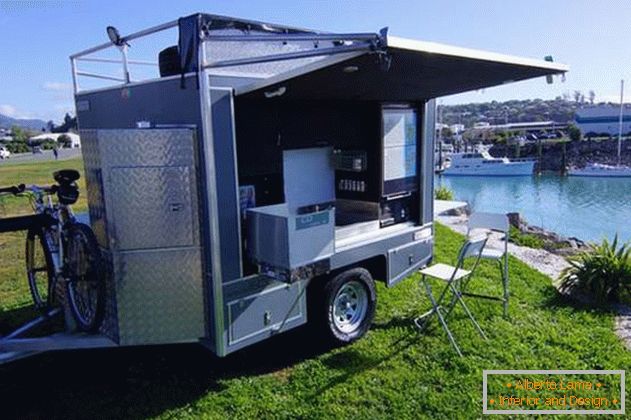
x: 349, y: 303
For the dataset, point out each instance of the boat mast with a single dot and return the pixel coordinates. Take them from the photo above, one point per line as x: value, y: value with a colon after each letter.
x: 620, y: 119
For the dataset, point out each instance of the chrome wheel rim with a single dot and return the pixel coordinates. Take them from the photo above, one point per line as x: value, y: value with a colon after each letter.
x: 350, y: 306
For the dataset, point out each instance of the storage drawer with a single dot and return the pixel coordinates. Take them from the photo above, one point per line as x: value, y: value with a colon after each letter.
x: 257, y: 306
x: 405, y: 259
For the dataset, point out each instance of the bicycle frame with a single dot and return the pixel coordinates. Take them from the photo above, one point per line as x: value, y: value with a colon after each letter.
x: 42, y: 202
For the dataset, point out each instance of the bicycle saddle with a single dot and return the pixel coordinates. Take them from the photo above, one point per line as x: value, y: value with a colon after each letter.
x: 66, y: 176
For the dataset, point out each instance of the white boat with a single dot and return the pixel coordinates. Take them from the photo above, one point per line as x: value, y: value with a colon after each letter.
x: 441, y: 155
x: 599, y: 169
x: 481, y: 163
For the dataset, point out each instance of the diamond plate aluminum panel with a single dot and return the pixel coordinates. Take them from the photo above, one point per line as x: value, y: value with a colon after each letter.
x: 144, y: 208
x: 96, y: 203
x: 94, y: 182
x: 109, y: 326
x: 155, y: 147
x: 154, y: 207
x: 160, y: 296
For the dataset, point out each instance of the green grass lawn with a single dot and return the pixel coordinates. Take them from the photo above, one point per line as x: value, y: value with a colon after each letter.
x: 394, y: 372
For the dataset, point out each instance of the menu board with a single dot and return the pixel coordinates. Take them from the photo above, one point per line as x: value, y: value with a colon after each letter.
x: 399, y: 149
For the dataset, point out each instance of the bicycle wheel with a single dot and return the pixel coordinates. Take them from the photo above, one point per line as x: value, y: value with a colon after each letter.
x: 85, y: 280
x: 39, y: 268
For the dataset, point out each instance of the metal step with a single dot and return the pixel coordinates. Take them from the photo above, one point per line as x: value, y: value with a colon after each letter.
x: 11, y: 356
x: 12, y: 348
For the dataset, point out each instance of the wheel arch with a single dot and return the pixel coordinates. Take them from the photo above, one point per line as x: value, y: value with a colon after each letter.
x: 377, y: 266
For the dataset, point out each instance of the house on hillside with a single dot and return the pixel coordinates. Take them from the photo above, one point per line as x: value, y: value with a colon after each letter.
x: 74, y: 138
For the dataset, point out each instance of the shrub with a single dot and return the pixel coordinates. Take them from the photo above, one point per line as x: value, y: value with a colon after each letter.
x: 603, y: 271
x: 525, y: 239
x: 48, y: 144
x: 573, y: 132
x: 444, y: 193
x: 17, y: 147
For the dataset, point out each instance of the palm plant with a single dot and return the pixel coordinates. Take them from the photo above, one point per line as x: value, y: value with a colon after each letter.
x: 603, y: 271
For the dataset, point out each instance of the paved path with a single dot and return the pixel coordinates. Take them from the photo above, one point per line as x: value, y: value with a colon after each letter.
x: 64, y: 154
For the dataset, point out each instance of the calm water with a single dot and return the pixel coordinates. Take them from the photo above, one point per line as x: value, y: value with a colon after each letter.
x: 586, y: 208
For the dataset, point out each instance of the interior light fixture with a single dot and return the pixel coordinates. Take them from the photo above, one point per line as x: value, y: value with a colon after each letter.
x: 278, y: 92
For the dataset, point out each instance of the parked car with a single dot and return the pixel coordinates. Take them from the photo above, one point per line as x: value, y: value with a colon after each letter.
x: 4, y: 153
x: 37, y: 150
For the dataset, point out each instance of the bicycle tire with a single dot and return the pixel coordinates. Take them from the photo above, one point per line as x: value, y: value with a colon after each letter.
x: 40, y: 277
x: 85, y: 287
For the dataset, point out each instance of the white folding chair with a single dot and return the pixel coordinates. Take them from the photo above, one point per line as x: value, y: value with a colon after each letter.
x: 453, y: 277
x: 492, y: 222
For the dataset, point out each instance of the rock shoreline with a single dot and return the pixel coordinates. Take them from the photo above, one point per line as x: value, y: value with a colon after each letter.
x: 552, y: 241
x: 577, y: 153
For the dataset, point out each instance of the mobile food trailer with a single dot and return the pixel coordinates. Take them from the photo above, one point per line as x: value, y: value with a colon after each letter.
x: 266, y: 169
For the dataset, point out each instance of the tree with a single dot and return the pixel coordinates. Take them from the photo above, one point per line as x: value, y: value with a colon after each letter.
x: 64, y: 141
x: 19, y: 134
x: 69, y: 124
x: 577, y: 96
x: 446, y: 133
x: 592, y: 96
x: 573, y: 132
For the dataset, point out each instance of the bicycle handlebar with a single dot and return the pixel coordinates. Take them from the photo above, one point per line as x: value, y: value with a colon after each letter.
x: 19, y: 189
x: 15, y: 190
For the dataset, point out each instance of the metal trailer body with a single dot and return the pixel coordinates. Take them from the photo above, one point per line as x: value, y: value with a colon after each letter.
x: 169, y: 160
x: 147, y: 250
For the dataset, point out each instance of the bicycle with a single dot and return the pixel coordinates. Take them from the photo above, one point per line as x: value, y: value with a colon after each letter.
x: 59, y: 248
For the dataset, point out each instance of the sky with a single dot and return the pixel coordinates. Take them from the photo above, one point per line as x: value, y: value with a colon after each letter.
x: 592, y: 37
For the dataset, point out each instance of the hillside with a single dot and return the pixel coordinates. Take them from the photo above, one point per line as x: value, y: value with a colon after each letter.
x: 560, y: 110
x: 32, y: 124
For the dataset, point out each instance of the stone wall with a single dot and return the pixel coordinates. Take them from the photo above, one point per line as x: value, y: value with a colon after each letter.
x: 577, y: 153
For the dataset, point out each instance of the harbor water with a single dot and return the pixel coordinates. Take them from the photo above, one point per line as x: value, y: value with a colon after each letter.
x: 582, y: 207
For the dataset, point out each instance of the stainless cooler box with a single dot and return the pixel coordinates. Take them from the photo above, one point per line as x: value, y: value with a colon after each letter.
x: 291, y: 246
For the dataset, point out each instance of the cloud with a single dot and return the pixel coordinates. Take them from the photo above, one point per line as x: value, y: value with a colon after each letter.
x: 63, y: 108
x: 55, y: 113
x: 60, y: 97
x: 11, y: 111
x: 57, y: 86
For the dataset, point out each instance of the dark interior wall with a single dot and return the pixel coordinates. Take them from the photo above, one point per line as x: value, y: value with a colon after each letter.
x: 264, y: 128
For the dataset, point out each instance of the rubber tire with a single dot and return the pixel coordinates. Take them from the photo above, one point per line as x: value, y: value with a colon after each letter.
x: 37, y: 235
x: 169, y: 61
x: 94, y: 249
x: 324, y: 317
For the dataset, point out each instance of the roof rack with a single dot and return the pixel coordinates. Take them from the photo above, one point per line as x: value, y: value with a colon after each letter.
x: 236, y: 43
